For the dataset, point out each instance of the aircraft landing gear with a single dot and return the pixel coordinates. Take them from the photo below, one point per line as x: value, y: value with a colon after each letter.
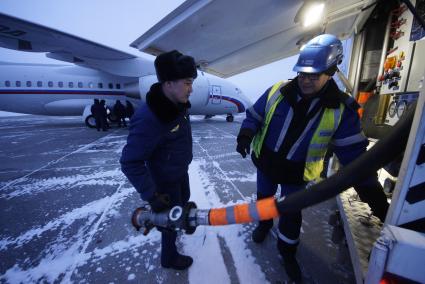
x: 229, y: 118
x: 90, y: 121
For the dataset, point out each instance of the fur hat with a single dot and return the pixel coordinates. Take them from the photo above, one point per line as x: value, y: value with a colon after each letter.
x: 173, y: 65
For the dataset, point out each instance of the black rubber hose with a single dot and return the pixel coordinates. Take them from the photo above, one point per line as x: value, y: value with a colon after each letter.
x: 371, y: 85
x: 384, y: 151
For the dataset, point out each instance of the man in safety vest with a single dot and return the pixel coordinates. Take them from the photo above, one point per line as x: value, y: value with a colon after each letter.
x: 291, y: 127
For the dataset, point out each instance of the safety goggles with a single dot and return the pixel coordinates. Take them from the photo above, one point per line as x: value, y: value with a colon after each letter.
x: 310, y: 76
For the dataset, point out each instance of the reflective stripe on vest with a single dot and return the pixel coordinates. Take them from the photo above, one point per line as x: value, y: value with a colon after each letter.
x: 273, y: 99
x: 319, y: 143
x: 328, y: 124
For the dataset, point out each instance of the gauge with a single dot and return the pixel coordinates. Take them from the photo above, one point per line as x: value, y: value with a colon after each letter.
x: 392, y: 109
x: 401, y: 107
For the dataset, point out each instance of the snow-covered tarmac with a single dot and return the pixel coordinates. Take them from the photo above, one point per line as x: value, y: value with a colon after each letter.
x: 65, y: 212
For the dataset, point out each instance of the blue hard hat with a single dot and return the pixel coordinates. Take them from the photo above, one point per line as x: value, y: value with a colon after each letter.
x: 319, y: 54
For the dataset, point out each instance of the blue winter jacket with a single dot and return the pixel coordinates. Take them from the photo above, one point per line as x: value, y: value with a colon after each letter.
x: 348, y: 141
x: 159, y: 145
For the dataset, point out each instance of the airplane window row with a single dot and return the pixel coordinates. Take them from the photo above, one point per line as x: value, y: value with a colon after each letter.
x: 61, y: 84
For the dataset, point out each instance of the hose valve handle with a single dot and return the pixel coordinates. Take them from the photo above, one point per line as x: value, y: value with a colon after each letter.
x: 136, y: 213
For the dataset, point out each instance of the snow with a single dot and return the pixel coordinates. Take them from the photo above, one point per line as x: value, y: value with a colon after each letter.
x: 132, y: 276
x: 203, y: 245
x: 88, y: 236
x: 8, y: 114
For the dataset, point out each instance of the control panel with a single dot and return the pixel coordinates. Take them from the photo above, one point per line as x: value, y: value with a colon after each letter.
x: 397, y: 63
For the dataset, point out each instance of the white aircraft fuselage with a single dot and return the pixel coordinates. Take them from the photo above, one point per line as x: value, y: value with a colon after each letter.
x: 69, y: 90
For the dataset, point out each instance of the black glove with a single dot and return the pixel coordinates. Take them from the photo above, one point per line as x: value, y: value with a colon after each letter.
x: 244, y: 145
x: 159, y: 202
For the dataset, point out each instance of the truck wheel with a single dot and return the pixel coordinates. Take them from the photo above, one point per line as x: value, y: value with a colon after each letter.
x: 90, y: 121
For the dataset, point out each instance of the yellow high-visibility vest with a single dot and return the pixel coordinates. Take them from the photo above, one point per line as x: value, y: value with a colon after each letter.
x: 321, y: 138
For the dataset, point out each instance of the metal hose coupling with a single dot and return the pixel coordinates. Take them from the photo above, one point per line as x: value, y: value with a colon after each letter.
x: 178, y: 217
x: 189, y: 217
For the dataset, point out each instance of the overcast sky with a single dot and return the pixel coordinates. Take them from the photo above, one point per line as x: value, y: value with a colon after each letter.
x: 117, y: 24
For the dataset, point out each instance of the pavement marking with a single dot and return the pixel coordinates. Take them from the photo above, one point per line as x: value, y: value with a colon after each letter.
x: 75, y: 264
x: 13, y: 182
x: 247, y: 270
x: 217, y: 166
x: 273, y: 232
x: 62, y: 168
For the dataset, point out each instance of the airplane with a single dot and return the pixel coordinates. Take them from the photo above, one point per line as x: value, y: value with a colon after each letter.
x: 97, y: 72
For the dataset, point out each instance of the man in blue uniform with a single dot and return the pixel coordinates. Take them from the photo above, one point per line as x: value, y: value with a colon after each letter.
x: 159, y: 146
x: 291, y: 127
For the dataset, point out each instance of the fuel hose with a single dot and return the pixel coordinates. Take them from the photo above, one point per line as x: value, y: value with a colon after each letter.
x: 189, y: 217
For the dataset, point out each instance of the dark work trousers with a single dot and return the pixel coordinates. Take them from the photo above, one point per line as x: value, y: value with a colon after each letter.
x: 100, y: 122
x: 289, y: 224
x: 179, y: 193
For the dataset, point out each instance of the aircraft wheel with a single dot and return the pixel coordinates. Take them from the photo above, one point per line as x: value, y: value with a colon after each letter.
x: 90, y: 121
x: 229, y: 118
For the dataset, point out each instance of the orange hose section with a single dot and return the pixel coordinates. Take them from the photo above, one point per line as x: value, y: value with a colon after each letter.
x: 363, y: 97
x: 242, y: 213
x: 360, y: 111
x: 218, y: 216
x: 266, y: 210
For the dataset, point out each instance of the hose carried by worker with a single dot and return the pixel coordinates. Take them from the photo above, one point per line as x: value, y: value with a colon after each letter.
x: 189, y: 217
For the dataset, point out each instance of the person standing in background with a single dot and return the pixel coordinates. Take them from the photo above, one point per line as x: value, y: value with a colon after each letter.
x: 104, y: 115
x: 119, y: 111
x: 97, y: 112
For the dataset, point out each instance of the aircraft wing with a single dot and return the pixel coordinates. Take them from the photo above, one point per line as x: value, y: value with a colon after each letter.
x: 230, y: 37
x: 23, y: 35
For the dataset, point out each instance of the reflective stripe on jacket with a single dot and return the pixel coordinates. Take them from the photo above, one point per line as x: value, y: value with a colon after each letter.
x: 273, y: 99
x: 319, y: 143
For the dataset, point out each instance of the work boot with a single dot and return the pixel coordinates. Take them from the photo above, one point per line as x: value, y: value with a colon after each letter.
x: 261, y: 231
x: 290, y: 263
x: 180, y: 262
